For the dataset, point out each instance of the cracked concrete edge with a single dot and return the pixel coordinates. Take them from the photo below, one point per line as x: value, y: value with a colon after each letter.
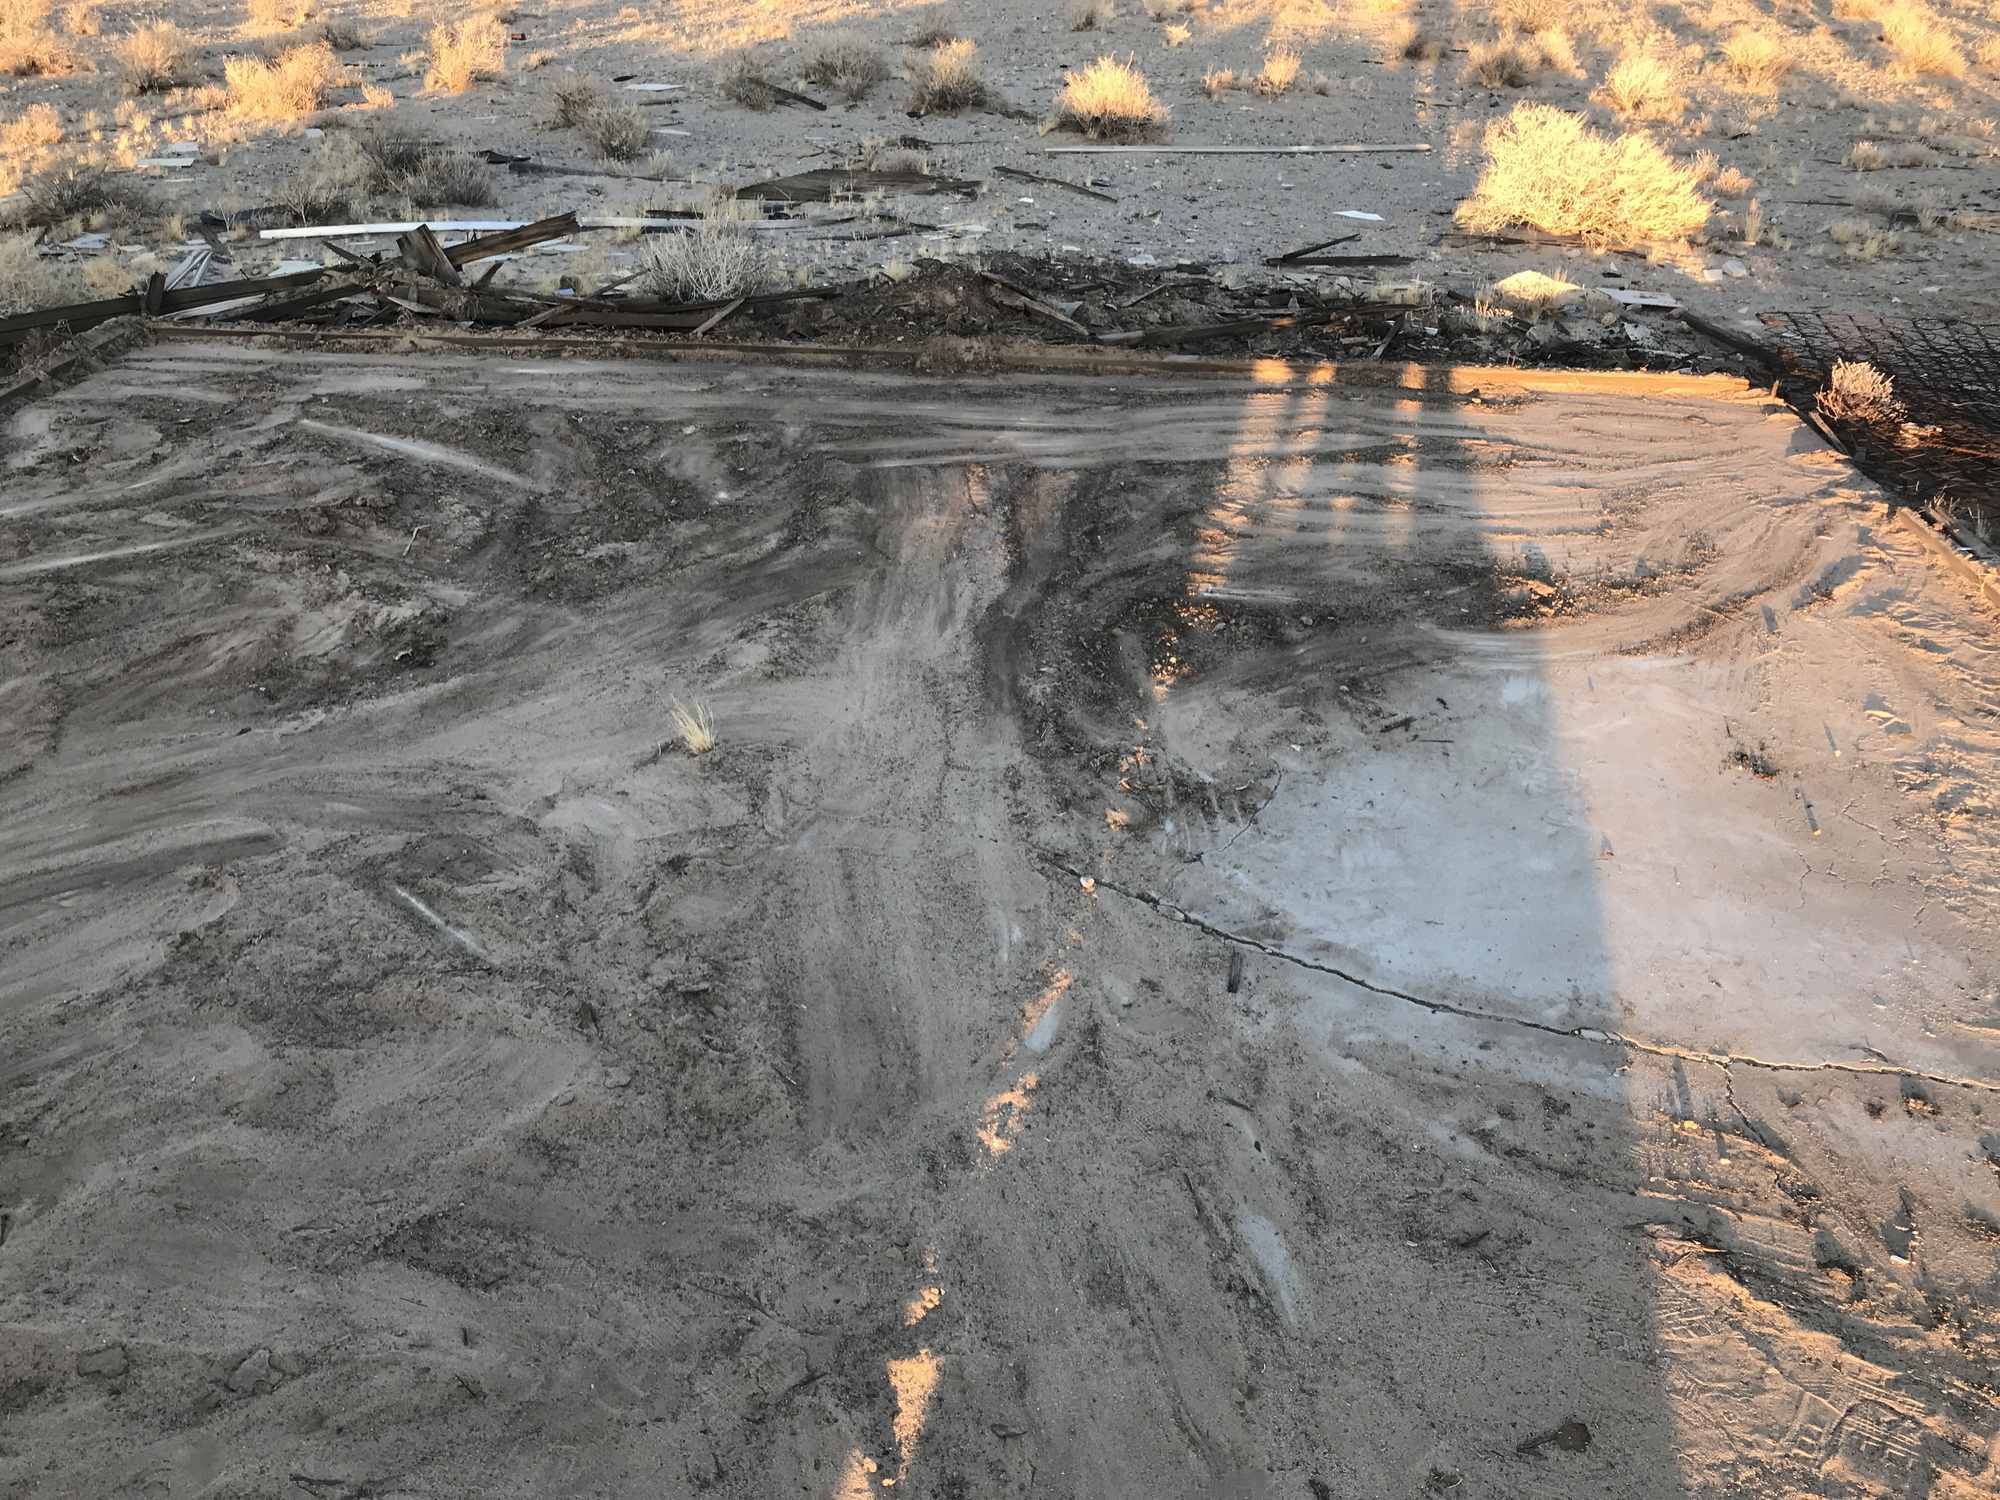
x: 1595, y: 1035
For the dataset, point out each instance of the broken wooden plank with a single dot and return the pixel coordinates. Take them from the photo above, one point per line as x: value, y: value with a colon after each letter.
x: 1345, y: 260
x: 189, y: 271
x: 1304, y: 250
x: 720, y: 316
x: 507, y: 241
x: 821, y: 183
x: 80, y: 315
x: 1008, y: 294
x: 421, y: 251
x: 1019, y: 176
x: 1344, y: 150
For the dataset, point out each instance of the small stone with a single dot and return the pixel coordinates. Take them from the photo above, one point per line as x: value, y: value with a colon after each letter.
x: 253, y: 1372
x: 618, y: 1080
x: 288, y: 1364
x: 108, y: 1361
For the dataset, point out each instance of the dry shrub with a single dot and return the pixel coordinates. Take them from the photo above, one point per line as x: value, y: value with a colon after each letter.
x: 694, y: 726
x: 289, y: 87
x: 1218, y: 81
x: 1756, y: 58
x: 471, y: 51
x: 577, y: 98
x: 1547, y: 169
x: 1731, y: 183
x: 74, y: 190
x: 947, y: 80
x: 1530, y: 15
x: 1989, y: 55
x: 276, y: 15
x: 1513, y: 60
x: 937, y: 34
x: 1279, y: 73
x: 155, y: 58
x: 1867, y: 156
x: 1858, y: 392
x: 1177, y: 34
x: 1921, y: 42
x: 619, y: 132
x: 1110, y: 101
x: 29, y: 46
x: 81, y: 18
x: 713, y: 262
x: 1411, y: 41
x: 1088, y: 15
x: 1643, y: 86
x: 744, y: 83
x: 29, y: 280
x: 342, y: 36
x: 1860, y: 240
x: 852, y: 68
x: 399, y: 163
x: 35, y: 129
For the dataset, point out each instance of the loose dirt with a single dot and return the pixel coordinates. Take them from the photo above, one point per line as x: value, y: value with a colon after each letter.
x: 1285, y: 935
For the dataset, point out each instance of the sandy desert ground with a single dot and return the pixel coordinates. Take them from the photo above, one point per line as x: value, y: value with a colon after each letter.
x: 1253, y: 936
x: 1848, y: 151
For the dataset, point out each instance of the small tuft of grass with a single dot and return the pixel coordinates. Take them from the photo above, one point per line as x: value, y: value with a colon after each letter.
x: 852, y: 68
x: 342, y: 36
x: 577, y: 98
x: 1177, y: 34
x: 1110, y: 101
x: 1279, y: 73
x: 1642, y: 86
x: 713, y: 262
x: 744, y: 82
x: 1088, y: 15
x: 1869, y: 156
x: 1530, y: 16
x: 466, y: 52
x: 1858, y: 392
x: 618, y: 132
x: 1547, y: 169
x: 1989, y: 55
x: 289, y: 87
x: 1921, y: 42
x: 1411, y: 41
x: 1218, y: 81
x: 694, y: 726
x: 266, y: 16
x: 155, y: 58
x: 947, y: 80
x: 1756, y: 58
x: 935, y: 35
x: 1731, y: 183
x: 1860, y: 240
x: 1513, y: 60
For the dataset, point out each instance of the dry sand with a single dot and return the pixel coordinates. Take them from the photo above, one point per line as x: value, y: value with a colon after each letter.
x: 1271, y: 937
x: 1789, y: 140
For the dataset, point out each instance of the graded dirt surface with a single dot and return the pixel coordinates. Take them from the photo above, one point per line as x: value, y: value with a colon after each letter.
x: 1315, y: 933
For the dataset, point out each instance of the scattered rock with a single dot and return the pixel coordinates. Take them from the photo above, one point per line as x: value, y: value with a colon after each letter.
x: 252, y: 1374
x: 108, y: 1362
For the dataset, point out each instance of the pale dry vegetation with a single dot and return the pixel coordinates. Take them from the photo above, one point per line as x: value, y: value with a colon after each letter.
x: 29, y: 280
x: 291, y: 86
x: 850, y: 67
x: 1218, y: 81
x: 713, y: 262
x: 1644, y: 86
x: 618, y: 132
x: 1515, y: 59
x: 1922, y: 43
x: 947, y: 79
x: 1858, y: 392
x: 1546, y: 169
x: 75, y: 191
x: 24, y: 139
x: 1411, y: 41
x: 1088, y: 15
x: 29, y: 46
x: 155, y: 58
x: 1111, y: 101
x: 693, y: 725
x: 353, y: 168
x: 1279, y: 73
x: 1756, y: 58
x: 466, y: 52
x: 1869, y: 156
x: 265, y: 16
x: 744, y: 82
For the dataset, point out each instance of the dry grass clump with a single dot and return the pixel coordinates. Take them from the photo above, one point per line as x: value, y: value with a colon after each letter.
x: 618, y: 132
x: 1643, y: 86
x: 1218, y: 81
x: 470, y: 51
x: 1110, y: 101
x: 947, y: 80
x: 937, y: 34
x: 1513, y: 60
x: 851, y: 68
x: 1921, y: 42
x: 1546, y: 169
x: 1860, y: 240
x: 342, y: 36
x: 744, y: 82
x: 289, y: 87
x: 694, y: 726
x: 276, y: 15
x: 29, y: 46
x: 1279, y: 73
x: 1530, y: 15
x: 1989, y: 55
x: 1088, y: 15
x: 1731, y: 183
x: 35, y: 129
x: 1411, y: 41
x: 27, y: 280
x: 155, y: 58
x: 1176, y: 35
x: 1756, y: 58
x: 400, y: 164
x: 1858, y: 392
x: 1868, y: 156
x: 577, y: 98
x: 74, y: 190
x: 713, y: 262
